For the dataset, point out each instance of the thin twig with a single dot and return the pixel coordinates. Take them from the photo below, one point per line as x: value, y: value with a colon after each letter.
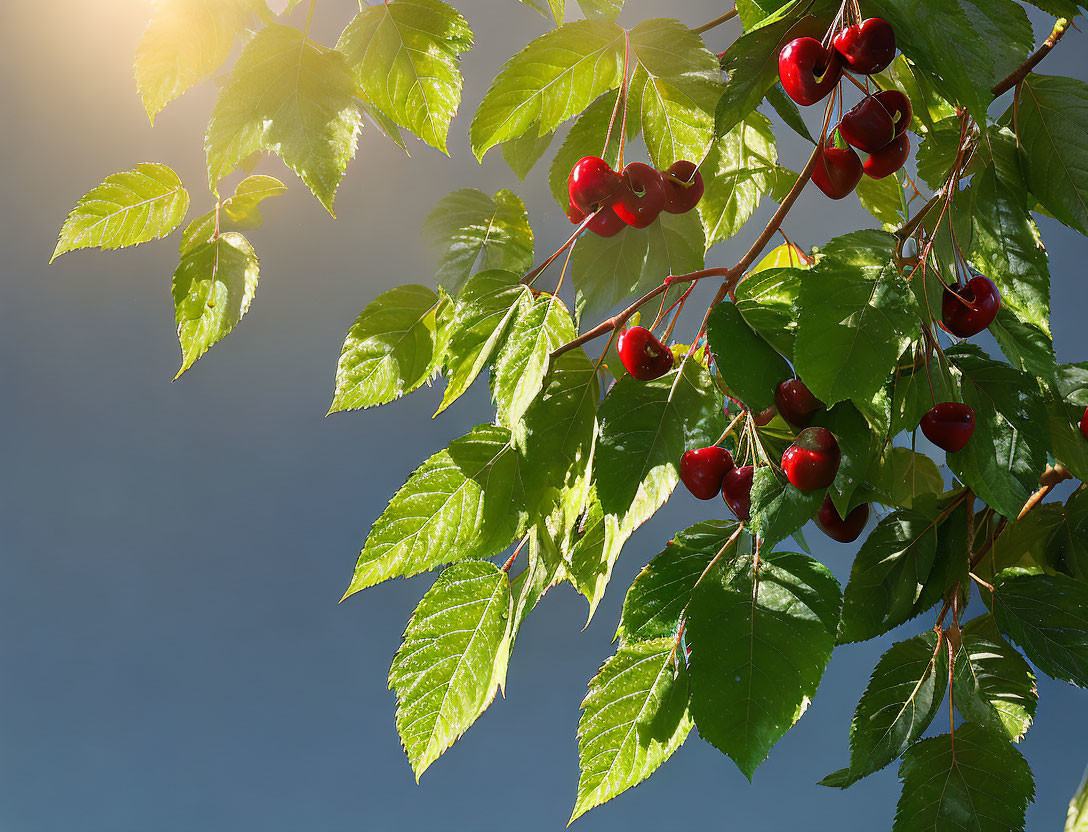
x: 717, y: 21
x: 1061, y: 26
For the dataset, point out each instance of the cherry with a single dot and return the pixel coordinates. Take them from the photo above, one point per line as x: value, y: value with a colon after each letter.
x: 835, y: 527
x: 897, y: 105
x: 703, y: 470
x: 591, y: 182
x: 796, y: 403
x: 949, y: 426
x: 641, y: 197
x: 812, y: 461
x: 837, y: 171
x: 1084, y: 423
x: 888, y: 159
x: 967, y: 310
x: 867, y: 47
x: 763, y: 418
x: 604, y: 224
x: 681, y: 198
x: 868, y: 126
x: 737, y: 491
x: 643, y: 355
x: 808, y: 70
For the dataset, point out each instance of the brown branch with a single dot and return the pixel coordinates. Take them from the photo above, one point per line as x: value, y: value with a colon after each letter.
x: 717, y: 21
x: 1061, y: 26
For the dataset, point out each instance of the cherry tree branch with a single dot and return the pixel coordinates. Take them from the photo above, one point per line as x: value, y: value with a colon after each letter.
x: 1061, y: 26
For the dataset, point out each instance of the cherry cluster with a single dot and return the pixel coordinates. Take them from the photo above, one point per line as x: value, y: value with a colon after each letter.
x: 635, y: 196
x: 810, y: 463
x: 877, y: 126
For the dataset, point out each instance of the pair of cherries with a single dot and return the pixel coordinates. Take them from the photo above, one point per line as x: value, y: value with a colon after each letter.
x: 634, y: 197
x: 810, y: 71
x: 877, y: 126
x: 708, y: 472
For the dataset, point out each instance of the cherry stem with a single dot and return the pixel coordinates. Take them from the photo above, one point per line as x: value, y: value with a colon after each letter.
x: 506, y: 566
x: 732, y: 426
x: 536, y: 272
x: 717, y: 21
x: 1061, y: 26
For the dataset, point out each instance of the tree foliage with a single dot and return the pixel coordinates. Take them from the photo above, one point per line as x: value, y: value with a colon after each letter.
x: 727, y: 630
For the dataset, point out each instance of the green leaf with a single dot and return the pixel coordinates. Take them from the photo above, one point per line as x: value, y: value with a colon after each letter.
x: 135, y: 206
x: 1065, y: 407
x: 609, y: 270
x: 768, y: 302
x: 523, y: 361
x: 547, y: 82
x: 1004, y: 27
x: 957, y: 61
x: 994, y: 686
x: 979, y: 783
x: 404, y: 56
x: 929, y: 108
x: 750, y: 367
x: 185, y: 42
x: 1052, y: 124
x: 760, y: 638
x: 779, y: 509
x: 1047, y: 615
x: 645, y: 428
x: 884, y: 199
x: 788, y: 112
x: 453, y: 659
x: 904, y: 695
x: 471, y: 231
x: 213, y: 287
x: 859, y: 444
x: 608, y: 9
x: 524, y: 152
x: 462, y: 503
x: 676, y: 84
x: 393, y: 347
x: 888, y: 576
x: 486, y: 305
x: 900, y: 476
x: 289, y: 96
x: 1007, y: 452
x: 738, y: 172
x: 556, y: 439
x: 633, y: 718
x: 857, y: 317
x: 660, y: 593
x: 937, y: 151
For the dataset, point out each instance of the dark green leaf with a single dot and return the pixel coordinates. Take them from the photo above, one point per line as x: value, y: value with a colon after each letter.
x: 749, y: 366
x: 994, y: 686
x: 778, y: 508
x: 760, y: 639
x: 768, y: 303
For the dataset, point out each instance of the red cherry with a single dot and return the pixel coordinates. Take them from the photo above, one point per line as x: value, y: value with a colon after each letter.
x: 641, y: 197
x: 967, y: 310
x: 868, y: 47
x: 796, y: 403
x: 1084, y: 423
x: 888, y: 159
x: 812, y: 461
x: 682, y: 198
x: 703, y: 470
x: 808, y: 70
x: 835, y: 527
x: 737, y: 491
x: 763, y: 418
x: 837, y: 171
x: 949, y: 426
x: 643, y: 355
x: 868, y: 126
x: 604, y: 224
x: 592, y: 181
x: 897, y: 105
